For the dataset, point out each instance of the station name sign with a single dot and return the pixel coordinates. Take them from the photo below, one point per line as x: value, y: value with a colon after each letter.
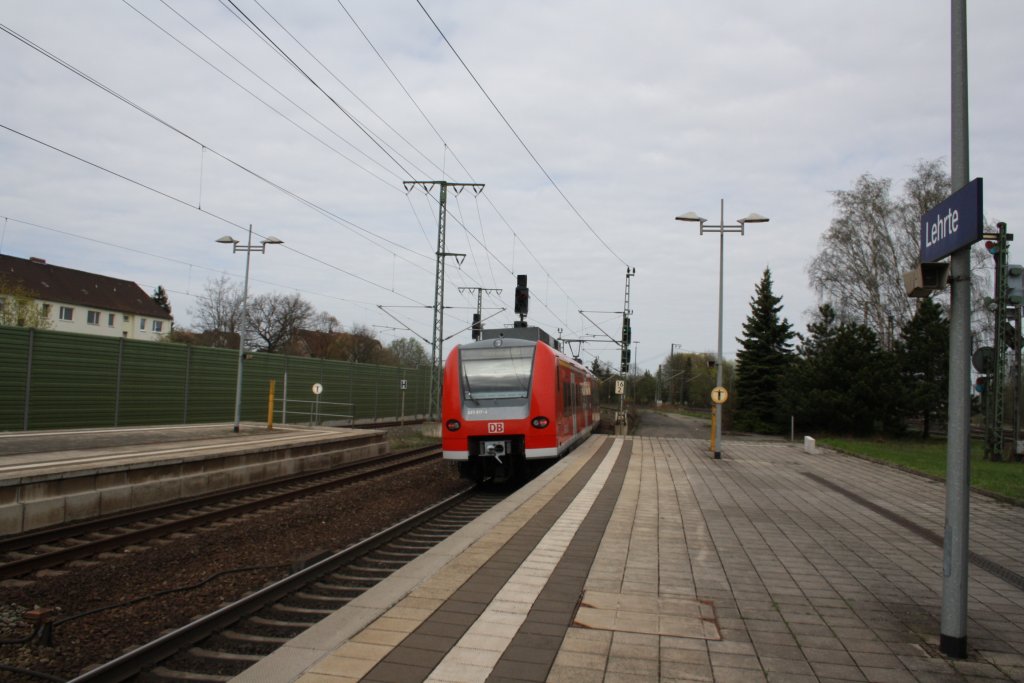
x: 952, y: 225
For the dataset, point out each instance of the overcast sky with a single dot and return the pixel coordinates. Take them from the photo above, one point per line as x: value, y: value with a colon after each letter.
x: 614, y: 118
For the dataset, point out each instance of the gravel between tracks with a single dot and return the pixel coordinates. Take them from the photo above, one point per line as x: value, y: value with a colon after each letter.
x: 268, y: 542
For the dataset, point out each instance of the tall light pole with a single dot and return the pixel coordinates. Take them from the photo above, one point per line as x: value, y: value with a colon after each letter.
x: 248, y: 249
x: 668, y: 393
x: 721, y: 229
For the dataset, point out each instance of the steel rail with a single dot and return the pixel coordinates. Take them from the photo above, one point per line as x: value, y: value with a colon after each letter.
x: 136, y: 661
x: 324, y: 479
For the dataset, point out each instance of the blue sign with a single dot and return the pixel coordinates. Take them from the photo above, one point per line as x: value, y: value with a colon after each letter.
x: 952, y: 225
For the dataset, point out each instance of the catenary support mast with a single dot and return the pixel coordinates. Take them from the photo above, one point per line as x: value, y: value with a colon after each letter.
x: 437, y: 337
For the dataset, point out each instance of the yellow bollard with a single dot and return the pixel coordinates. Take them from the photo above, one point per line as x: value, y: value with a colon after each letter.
x: 270, y: 406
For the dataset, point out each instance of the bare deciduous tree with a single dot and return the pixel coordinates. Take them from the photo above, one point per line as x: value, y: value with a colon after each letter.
x: 871, y: 242
x: 275, y: 318
x: 219, y: 307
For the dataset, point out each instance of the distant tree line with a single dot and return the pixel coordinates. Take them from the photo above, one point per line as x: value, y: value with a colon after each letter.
x: 287, y: 323
x: 871, y: 359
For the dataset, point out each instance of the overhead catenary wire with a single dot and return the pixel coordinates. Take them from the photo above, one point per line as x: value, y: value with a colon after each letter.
x: 519, y: 138
x: 350, y: 91
x: 263, y: 101
x: 448, y: 148
x: 470, y: 233
x: 193, y: 206
x: 315, y: 207
x: 355, y: 228
x: 284, y: 55
x: 366, y: 305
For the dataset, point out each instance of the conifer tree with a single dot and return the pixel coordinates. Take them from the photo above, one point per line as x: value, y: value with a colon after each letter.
x: 923, y: 357
x: 161, y: 300
x: 765, y: 353
x: 842, y: 381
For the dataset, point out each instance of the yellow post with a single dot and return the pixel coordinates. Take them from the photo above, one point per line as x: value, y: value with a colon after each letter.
x: 270, y: 405
x: 713, y: 413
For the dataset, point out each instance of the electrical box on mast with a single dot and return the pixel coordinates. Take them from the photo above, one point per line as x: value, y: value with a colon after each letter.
x: 925, y: 279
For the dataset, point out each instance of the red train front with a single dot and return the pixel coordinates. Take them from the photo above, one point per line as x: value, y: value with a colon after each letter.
x: 510, y: 403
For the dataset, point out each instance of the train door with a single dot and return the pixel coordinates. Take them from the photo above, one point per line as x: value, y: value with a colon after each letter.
x: 575, y: 426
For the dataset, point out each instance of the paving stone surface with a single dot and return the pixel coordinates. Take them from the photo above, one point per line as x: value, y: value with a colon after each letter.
x: 645, y: 559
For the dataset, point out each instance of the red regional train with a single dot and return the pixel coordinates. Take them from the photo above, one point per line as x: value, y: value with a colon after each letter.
x: 510, y: 404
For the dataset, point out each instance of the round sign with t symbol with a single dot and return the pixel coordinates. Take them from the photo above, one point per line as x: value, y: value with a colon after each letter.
x: 719, y: 395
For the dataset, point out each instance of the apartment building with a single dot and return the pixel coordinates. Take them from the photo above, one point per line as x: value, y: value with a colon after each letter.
x: 88, y: 303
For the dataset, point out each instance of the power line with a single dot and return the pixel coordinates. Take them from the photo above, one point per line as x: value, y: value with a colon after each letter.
x: 260, y: 99
x: 162, y: 257
x: 519, y: 138
x: 353, y: 227
x: 192, y: 206
x: 280, y: 51
x: 470, y: 175
x: 350, y: 91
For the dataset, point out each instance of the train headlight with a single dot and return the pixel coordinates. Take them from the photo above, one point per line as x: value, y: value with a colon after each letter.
x: 540, y: 422
x: 453, y: 425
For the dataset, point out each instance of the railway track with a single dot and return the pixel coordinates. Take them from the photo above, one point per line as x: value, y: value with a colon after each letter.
x: 25, y: 554
x: 226, y: 642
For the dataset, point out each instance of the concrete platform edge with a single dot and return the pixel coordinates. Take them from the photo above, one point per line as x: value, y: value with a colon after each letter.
x: 293, y: 659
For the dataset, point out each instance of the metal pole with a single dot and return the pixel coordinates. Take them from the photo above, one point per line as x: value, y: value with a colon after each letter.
x: 953, y: 634
x: 28, y: 378
x: 721, y: 280
x: 117, y: 380
x: 1016, y: 382
x: 241, y: 333
x: 188, y: 372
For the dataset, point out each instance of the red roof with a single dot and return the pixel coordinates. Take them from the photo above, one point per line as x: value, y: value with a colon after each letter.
x: 69, y: 286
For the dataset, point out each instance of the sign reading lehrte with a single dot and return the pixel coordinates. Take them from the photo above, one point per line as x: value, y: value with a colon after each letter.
x: 954, y: 224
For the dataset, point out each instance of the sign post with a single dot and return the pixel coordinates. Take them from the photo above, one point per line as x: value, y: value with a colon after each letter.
x: 953, y: 621
x: 719, y: 395
x: 317, y: 390
x: 402, y: 386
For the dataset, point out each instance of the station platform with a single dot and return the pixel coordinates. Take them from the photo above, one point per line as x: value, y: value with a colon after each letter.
x: 642, y: 558
x: 68, y: 475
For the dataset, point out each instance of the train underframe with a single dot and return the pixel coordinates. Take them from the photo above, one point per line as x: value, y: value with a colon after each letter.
x: 498, y: 460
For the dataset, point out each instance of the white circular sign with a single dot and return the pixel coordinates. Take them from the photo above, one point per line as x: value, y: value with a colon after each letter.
x: 719, y: 395
x: 318, y: 388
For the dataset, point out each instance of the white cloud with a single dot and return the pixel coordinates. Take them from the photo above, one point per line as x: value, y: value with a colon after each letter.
x: 639, y: 114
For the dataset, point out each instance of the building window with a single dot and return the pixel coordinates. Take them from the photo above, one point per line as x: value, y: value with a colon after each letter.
x: 126, y: 317
x: 110, y: 320
x: 158, y: 325
x: 142, y: 324
x: 46, y: 310
x: 67, y: 313
x: 93, y: 317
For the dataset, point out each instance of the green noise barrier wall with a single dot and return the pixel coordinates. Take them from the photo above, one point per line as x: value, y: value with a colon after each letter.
x: 52, y: 380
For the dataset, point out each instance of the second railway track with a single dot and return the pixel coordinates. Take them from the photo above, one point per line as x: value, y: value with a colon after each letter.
x: 226, y: 642
x: 25, y: 554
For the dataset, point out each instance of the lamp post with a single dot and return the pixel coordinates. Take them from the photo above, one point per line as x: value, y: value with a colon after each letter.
x: 248, y: 249
x: 672, y: 352
x: 721, y: 229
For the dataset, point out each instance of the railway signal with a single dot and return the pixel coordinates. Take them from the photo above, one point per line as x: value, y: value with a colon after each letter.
x: 522, y: 303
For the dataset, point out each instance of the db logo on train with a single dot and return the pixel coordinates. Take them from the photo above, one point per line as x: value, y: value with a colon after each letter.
x: 495, y: 427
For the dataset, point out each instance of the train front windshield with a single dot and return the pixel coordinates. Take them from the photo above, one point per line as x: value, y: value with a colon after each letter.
x: 496, y: 373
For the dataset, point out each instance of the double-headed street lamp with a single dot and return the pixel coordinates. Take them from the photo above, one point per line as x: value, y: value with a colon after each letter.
x: 721, y: 229
x: 248, y: 249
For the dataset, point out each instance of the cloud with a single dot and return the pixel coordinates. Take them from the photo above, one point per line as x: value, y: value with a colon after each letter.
x: 638, y: 115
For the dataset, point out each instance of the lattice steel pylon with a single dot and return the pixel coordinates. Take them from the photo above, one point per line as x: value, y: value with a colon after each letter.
x: 437, y: 338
